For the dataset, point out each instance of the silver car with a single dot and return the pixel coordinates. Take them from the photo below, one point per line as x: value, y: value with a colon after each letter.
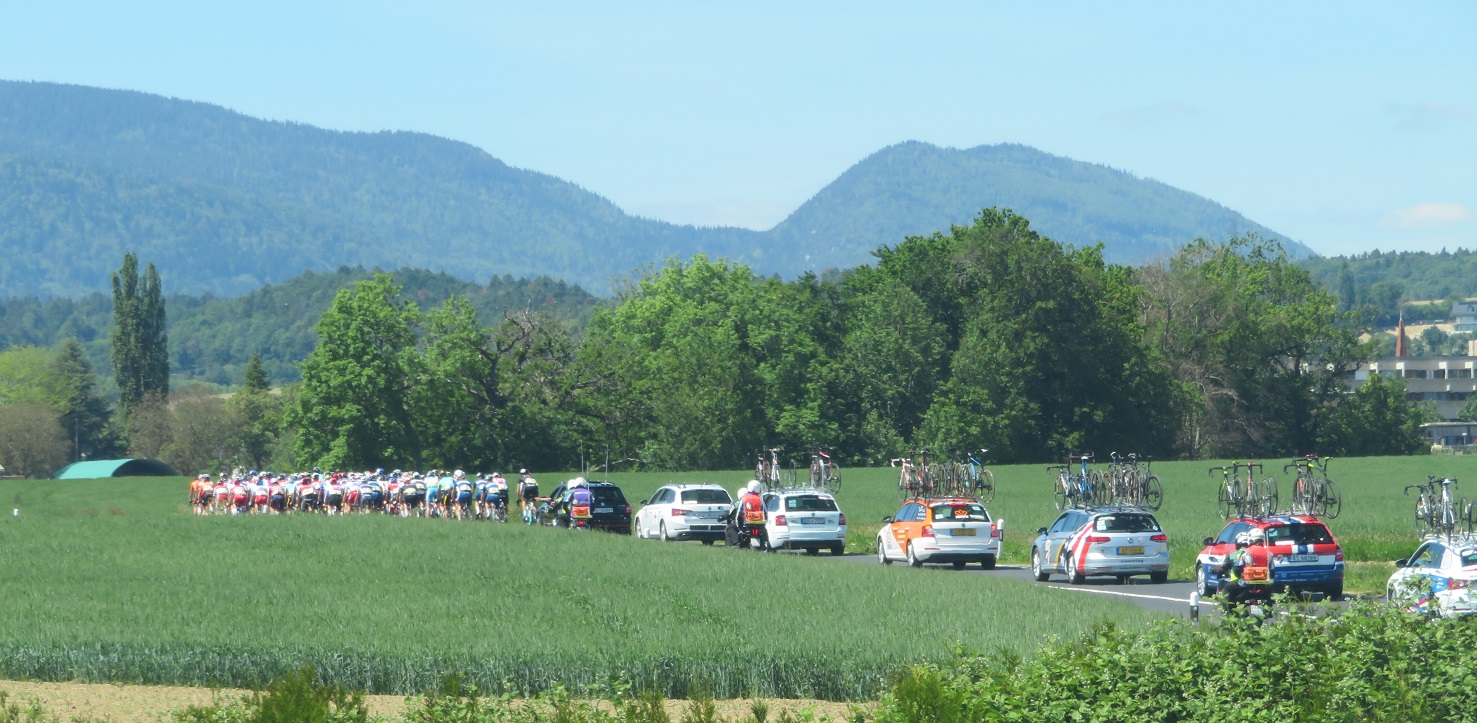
x: 1118, y: 541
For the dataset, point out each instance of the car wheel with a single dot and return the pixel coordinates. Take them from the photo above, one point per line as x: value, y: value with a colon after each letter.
x: 707, y: 542
x: 1202, y: 585
x: 1336, y: 594
x: 958, y: 566
x: 913, y: 560
x: 1036, y: 569
x: 882, y: 553
x: 988, y: 563
x: 838, y: 549
x: 1159, y: 578
x: 1073, y: 576
x: 662, y: 533
x: 1122, y: 579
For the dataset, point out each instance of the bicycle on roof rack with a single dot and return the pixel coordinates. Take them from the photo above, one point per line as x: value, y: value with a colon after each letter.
x: 973, y: 479
x: 770, y: 473
x: 825, y: 474
x: 917, y: 477
x: 1437, y: 512
x: 1246, y: 497
x: 1082, y: 488
x: 1131, y: 482
x: 1313, y: 493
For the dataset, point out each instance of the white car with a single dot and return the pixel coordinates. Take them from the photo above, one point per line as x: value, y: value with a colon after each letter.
x: 1438, y: 578
x: 808, y: 520
x: 946, y: 530
x: 684, y: 512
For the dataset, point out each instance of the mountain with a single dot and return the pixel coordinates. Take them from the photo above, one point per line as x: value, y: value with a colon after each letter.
x: 211, y: 339
x: 223, y: 203
x: 915, y: 189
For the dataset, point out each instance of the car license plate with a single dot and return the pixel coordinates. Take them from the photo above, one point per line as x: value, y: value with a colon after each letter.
x: 603, y: 510
x: 964, y: 533
x: 811, y: 521
x: 1139, y: 550
x: 1302, y: 558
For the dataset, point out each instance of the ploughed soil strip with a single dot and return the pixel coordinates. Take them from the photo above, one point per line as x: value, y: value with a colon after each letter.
x: 118, y: 703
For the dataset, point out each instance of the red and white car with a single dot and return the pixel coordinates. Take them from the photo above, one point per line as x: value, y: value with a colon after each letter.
x: 1303, y: 553
x: 1116, y: 541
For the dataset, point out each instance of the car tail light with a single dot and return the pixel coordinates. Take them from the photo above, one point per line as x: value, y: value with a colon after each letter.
x: 628, y: 509
x: 841, y: 521
x: 1455, y: 584
x: 994, y: 530
x: 927, y: 531
x: 1098, y: 540
x: 679, y: 512
x: 1159, y: 538
x: 780, y: 521
x: 1338, y: 555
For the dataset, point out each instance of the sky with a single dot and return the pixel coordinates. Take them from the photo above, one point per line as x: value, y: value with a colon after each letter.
x: 1347, y: 126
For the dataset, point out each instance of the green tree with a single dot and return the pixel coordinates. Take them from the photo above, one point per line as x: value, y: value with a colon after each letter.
x: 892, y: 355
x: 140, y: 343
x: 352, y: 410
x: 84, y: 412
x: 1377, y: 420
x: 26, y: 376
x: 257, y: 413
x: 205, y: 433
x: 31, y: 440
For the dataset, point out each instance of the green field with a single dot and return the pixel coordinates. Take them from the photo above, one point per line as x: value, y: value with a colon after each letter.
x: 113, y: 580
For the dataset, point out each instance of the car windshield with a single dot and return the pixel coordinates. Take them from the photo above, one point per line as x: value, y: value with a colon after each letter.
x: 810, y: 503
x: 705, y: 497
x: 1298, y: 534
x: 960, y: 512
x: 1126, y: 523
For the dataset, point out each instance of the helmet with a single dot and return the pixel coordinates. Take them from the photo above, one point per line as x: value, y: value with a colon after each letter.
x: 754, y: 486
x: 578, y: 483
x: 522, y: 471
x: 1243, y: 539
x: 1255, y: 536
x: 458, y: 474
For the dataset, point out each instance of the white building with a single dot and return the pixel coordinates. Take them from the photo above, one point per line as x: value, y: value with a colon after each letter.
x: 1449, y: 381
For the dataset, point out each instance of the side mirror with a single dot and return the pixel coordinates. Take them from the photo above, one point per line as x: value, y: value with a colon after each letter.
x: 1209, y: 541
x: 1401, y: 563
x: 1040, y: 530
x: 887, y: 519
x: 645, y: 501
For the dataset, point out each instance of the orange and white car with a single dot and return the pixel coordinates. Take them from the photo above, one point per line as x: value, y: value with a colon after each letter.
x: 941, y: 530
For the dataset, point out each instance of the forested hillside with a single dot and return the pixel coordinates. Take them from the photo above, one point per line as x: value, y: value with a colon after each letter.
x: 211, y: 339
x: 224, y: 203
x: 1386, y: 282
x: 917, y: 188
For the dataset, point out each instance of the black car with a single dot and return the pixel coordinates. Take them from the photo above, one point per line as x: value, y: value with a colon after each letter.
x: 608, y: 509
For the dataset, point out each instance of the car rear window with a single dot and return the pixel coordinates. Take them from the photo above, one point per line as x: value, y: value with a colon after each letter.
x: 1469, y: 558
x: 607, y: 496
x: 1126, y: 523
x: 810, y: 503
x: 960, y: 512
x: 1298, y: 534
x: 705, y: 497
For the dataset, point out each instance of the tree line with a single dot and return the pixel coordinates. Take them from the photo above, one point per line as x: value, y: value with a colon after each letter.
x: 988, y: 336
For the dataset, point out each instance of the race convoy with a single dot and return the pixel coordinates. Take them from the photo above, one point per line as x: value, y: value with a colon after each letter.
x: 948, y: 530
x: 1437, y: 579
x: 1304, y: 556
x: 1115, y: 541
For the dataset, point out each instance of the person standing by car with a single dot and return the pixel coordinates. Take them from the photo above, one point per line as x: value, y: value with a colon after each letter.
x: 1245, y: 570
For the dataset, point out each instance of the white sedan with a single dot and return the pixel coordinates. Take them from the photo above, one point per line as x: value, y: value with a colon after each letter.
x: 1438, y: 578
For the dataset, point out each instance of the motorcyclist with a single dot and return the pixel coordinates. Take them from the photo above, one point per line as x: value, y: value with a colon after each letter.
x: 579, y: 495
x: 746, y: 519
x: 1245, y: 572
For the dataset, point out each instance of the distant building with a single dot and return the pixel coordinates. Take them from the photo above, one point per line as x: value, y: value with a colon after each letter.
x: 1464, y: 316
x: 1457, y: 436
x: 1449, y: 381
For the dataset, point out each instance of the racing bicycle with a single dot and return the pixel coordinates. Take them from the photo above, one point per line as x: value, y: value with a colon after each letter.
x: 824, y: 472
x: 1132, y: 484
x: 1313, y: 493
x: 1253, y: 498
x: 1076, y: 489
x: 1436, y: 511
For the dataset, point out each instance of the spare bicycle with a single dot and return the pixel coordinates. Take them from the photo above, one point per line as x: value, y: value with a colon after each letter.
x: 1313, y: 493
x: 824, y: 472
x: 1436, y: 511
x: 1245, y: 497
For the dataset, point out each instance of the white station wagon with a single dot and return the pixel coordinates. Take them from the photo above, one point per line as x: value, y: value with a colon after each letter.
x: 808, y: 520
x: 684, y: 512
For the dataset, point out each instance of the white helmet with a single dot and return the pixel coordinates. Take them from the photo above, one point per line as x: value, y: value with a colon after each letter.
x: 754, y: 486
x: 578, y: 482
x: 1255, y: 536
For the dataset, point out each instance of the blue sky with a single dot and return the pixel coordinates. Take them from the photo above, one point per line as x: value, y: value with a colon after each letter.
x: 1348, y: 126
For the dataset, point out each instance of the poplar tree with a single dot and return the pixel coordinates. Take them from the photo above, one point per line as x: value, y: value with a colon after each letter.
x: 140, y: 344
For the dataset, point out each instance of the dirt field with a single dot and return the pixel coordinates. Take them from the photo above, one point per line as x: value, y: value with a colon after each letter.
x: 144, y: 703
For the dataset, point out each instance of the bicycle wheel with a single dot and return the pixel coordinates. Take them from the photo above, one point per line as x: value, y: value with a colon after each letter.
x: 985, y: 487
x: 1331, y: 502
x: 1268, y: 494
x: 1097, y: 490
x: 834, y: 473
x: 1061, y: 494
x: 1153, y: 493
x: 1422, y: 515
x: 1224, y: 503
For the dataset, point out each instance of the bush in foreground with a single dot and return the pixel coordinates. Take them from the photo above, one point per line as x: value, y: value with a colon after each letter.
x: 1365, y: 663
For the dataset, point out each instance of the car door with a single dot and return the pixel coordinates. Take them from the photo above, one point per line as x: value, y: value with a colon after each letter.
x: 903, y: 525
x: 1056, y: 537
x: 651, y: 510
x: 1413, y: 581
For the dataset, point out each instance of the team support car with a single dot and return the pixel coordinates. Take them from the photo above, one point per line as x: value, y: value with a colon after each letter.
x: 808, y: 520
x: 954, y: 531
x: 1117, y: 541
x: 1438, y: 578
x: 608, y: 509
x: 1303, y: 555
x: 684, y: 512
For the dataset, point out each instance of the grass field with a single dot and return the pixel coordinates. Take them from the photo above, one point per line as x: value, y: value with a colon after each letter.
x: 113, y: 580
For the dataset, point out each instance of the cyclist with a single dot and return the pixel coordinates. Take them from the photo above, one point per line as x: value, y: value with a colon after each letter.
x: 1244, y: 572
x: 497, y: 497
x: 463, y: 493
x: 527, y: 495
x: 433, y: 494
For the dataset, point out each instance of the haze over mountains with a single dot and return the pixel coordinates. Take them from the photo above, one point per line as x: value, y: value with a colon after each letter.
x: 224, y: 203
